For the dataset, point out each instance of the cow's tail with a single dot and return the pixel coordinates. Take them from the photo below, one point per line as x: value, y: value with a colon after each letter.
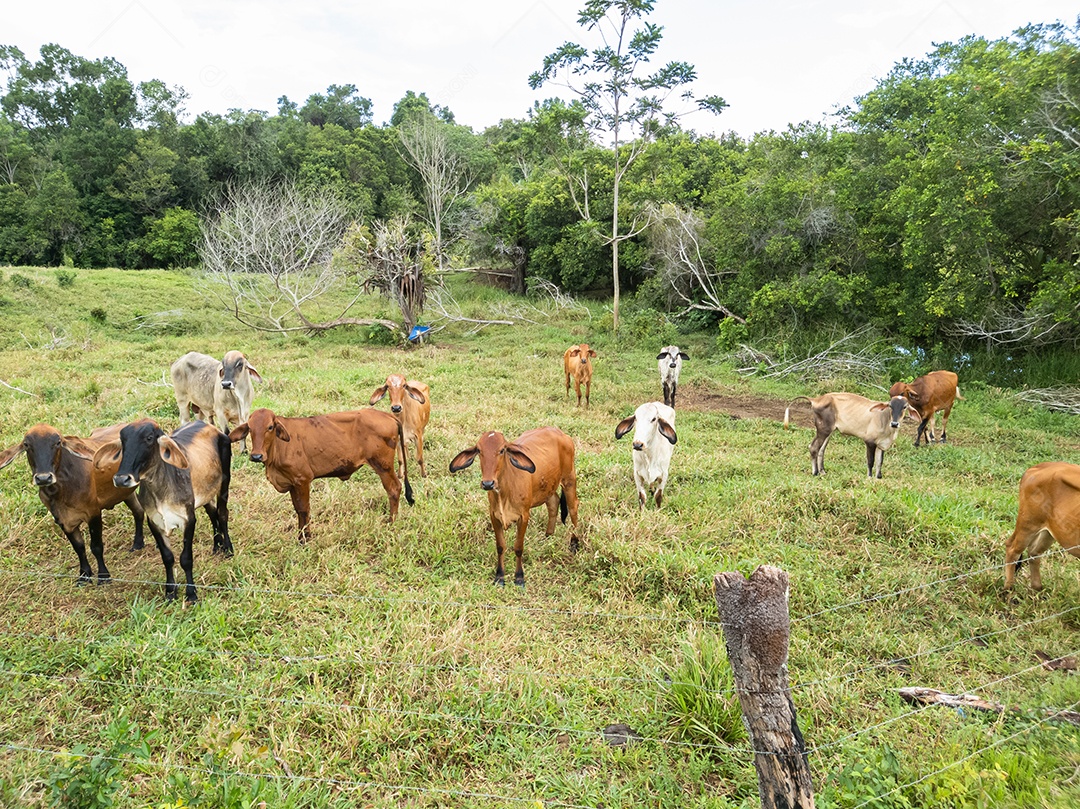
x: 787, y: 410
x: 562, y: 506
x: 958, y: 396
x: 1019, y: 562
x: 404, y: 464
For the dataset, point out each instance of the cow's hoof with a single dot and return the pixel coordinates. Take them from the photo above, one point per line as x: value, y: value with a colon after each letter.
x: 105, y: 579
x: 500, y: 581
x: 575, y: 545
x: 519, y: 582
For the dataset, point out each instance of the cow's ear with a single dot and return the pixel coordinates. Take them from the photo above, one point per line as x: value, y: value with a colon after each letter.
x: 378, y: 394
x: 624, y: 426
x: 253, y: 373
x: 221, y: 372
x: 77, y: 447
x: 880, y: 406
x: 464, y: 459
x: 108, y: 454
x: 667, y: 431
x: 11, y: 453
x: 683, y: 355
x: 661, y: 355
x: 171, y: 453
x: 520, y: 459
x: 239, y: 433
x: 281, y: 432
x: 415, y: 393
x: 911, y: 395
x: 573, y: 352
x: 592, y: 352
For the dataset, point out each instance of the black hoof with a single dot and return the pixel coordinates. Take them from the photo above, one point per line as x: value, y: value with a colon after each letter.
x: 104, y: 579
x: 82, y: 581
x: 575, y: 545
x: 519, y: 581
x: 137, y: 546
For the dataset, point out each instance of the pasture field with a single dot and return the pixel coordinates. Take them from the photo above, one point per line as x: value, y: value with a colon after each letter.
x: 377, y: 665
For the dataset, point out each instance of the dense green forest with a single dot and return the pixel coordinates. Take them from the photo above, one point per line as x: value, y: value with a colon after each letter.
x: 942, y: 206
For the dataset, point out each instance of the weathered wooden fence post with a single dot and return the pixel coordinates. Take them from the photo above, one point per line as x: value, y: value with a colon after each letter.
x: 754, y: 616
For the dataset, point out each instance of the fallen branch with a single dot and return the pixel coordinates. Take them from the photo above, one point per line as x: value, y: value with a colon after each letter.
x: 20, y: 390
x: 931, y: 696
x: 1064, y: 399
x: 867, y: 364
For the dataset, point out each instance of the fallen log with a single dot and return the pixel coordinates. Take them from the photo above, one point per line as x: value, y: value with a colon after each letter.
x: 931, y: 696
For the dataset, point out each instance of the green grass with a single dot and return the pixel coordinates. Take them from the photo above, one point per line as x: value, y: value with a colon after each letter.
x: 377, y: 665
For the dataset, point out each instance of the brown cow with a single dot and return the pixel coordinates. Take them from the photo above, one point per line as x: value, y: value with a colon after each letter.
x: 73, y: 491
x: 578, y: 365
x: 1049, y: 509
x: 927, y: 395
x: 519, y: 476
x: 410, y: 402
x: 296, y: 451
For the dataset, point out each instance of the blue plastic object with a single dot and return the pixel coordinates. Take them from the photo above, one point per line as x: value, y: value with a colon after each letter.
x: 416, y: 332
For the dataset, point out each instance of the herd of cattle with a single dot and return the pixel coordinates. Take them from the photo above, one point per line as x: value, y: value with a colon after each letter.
x: 164, y: 478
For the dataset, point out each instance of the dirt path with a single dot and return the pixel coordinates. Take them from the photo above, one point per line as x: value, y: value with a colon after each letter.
x: 742, y: 406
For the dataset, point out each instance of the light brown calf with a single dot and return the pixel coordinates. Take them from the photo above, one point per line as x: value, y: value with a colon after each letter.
x: 519, y: 476
x: 876, y: 423
x: 410, y: 402
x: 927, y: 395
x: 1049, y: 509
x: 577, y: 365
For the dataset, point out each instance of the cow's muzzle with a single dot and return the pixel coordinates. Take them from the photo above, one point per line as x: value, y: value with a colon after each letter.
x: 257, y: 457
x: 638, y: 446
x: 125, y: 481
x: 395, y: 408
x: 45, y: 479
x: 227, y: 384
x: 671, y: 365
x: 487, y: 485
x: 894, y: 424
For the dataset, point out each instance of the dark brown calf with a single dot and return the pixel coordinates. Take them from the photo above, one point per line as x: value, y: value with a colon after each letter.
x: 927, y: 395
x: 74, y: 492
x: 296, y: 451
x: 519, y: 476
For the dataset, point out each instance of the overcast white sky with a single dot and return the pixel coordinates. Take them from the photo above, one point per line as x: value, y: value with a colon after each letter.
x: 774, y: 62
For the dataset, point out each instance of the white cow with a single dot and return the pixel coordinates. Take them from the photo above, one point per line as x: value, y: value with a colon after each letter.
x: 218, y: 391
x: 670, y: 360
x: 654, y: 440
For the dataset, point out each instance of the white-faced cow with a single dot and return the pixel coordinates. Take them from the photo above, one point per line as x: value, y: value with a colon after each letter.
x: 876, y: 423
x: 175, y: 474
x: 670, y: 360
x: 217, y: 391
x: 519, y: 476
x: 74, y: 492
x: 654, y: 440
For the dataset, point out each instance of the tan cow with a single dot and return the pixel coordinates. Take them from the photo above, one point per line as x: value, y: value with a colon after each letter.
x: 876, y: 423
x: 577, y: 365
x: 519, y: 476
x: 410, y: 402
x: 1049, y: 509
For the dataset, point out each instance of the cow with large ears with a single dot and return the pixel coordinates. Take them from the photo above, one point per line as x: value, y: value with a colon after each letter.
x: 519, y: 476
x: 410, y: 402
x: 669, y: 361
x: 577, y: 365
x: 654, y: 440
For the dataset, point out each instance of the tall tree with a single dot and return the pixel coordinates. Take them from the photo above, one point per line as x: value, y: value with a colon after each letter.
x: 622, y: 104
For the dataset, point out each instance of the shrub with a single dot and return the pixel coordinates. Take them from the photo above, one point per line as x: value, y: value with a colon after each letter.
x: 65, y: 278
x: 701, y: 703
x: 97, y: 314
x: 90, y: 780
x: 20, y: 281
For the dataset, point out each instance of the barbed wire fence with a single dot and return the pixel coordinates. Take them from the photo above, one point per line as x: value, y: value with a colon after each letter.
x: 223, y: 691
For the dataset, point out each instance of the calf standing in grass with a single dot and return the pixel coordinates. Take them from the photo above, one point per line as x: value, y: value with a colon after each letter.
x: 577, y: 365
x: 928, y: 394
x: 1049, y: 509
x: 219, y: 391
x: 876, y: 423
x: 519, y: 476
x: 410, y: 402
x: 175, y: 474
x: 654, y: 441
x: 670, y: 360
x: 299, y: 450
x: 74, y: 491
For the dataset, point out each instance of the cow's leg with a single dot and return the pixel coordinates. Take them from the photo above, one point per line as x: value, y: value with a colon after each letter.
x: 921, y: 430
x: 86, y: 573
x: 945, y: 421
x: 187, y: 557
x: 674, y: 387
x: 817, y: 452
x: 568, y: 384
x: 1037, y: 546
x: 577, y: 390
x: 390, y: 483
x: 167, y: 559
x: 185, y: 409
x: 137, y: 544
x: 871, y: 452
x: 97, y: 547
x: 569, y: 495
x: 552, y: 504
x: 588, y: 390
x: 419, y: 439
x: 519, y: 549
x: 301, y: 500
x: 1014, y: 552
x: 219, y: 522
x: 667, y: 393
x: 500, y: 551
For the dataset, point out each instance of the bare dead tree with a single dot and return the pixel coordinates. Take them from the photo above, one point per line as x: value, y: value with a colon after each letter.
x: 843, y: 359
x: 675, y: 238
x: 1064, y: 399
x: 444, y: 170
x: 1019, y: 327
x: 266, y: 252
x: 386, y: 259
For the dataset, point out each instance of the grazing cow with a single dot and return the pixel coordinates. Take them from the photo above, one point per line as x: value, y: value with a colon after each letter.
x: 876, y: 423
x: 520, y: 476
x: 296, y: 451
x: 654, y: 440
x: 1049, y: 509
x: 670, y: 360
x: 219, y: 392
x: 175, y: 474
x: 577, y: 365
x: 74, y: 491
x: 927, y: 395
x: 410, y: 402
